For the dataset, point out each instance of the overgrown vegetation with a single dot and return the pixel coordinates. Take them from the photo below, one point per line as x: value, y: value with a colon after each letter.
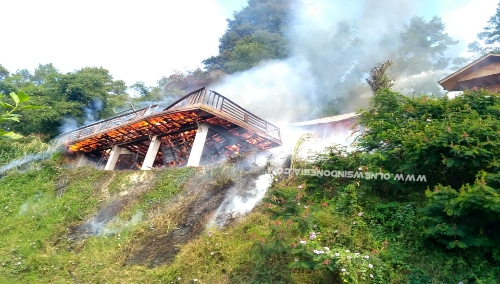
x: 82, y: 225
x: 308, y: 229
x: 15, y: 149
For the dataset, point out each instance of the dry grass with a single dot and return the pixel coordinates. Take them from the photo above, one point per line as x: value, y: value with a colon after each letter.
x: 214, y: 256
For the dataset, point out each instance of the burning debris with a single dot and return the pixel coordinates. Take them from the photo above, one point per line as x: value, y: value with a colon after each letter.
x: 232, y: 131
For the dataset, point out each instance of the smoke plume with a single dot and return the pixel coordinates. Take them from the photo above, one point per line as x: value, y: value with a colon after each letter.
x: 24, y: 162
x: 240, y: 201
x: 334, y: 44
x: 91, y: 115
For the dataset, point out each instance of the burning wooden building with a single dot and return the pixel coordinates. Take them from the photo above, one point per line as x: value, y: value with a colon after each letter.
x: 197, y: 129
x: 482, y: 73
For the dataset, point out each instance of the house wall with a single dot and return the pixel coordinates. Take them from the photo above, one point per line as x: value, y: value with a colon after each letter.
x: 494, y: 88
x: 490, y: 69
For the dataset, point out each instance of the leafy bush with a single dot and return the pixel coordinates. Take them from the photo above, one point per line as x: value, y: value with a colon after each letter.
x: 15, y: 149
x: 347, y: 266
x: 469, y: 217
x: 448, y: 141
x: 393, y: 219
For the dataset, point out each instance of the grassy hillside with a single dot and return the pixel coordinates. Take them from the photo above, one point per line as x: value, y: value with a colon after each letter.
x: 43, y: 239
x: 82, y: 225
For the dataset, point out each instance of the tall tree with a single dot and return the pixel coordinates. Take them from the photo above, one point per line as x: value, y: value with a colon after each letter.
x: 140, y: 88
x: 490, y: 37
x: 4, y: 73
x: 93, y: 88
x: 420, y: 58
x: 338, y: 64
x: 191, y: 80
x: 44, y: 72
x: 422, y: 46
x: 257, y: 33
x: 83, y: 95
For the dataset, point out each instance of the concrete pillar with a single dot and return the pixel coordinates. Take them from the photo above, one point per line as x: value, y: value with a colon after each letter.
x: 198, y: 144
x: 113, y: 158
x: 151, y: 154
x: 83, y: 160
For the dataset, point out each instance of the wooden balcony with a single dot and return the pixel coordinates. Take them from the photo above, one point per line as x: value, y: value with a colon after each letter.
x: 201, y: 106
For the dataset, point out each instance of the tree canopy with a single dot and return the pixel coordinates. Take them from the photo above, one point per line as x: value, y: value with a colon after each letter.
x: 489, y: 38
x: 84, y: 95
x: 422, y: 46
x: 257, y: 33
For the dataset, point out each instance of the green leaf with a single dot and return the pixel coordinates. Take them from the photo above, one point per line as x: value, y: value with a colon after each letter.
x: 23, y: 97
x: 6, y: 105
x: 10, y: 117
x: 32, y: 107
x: 15, y: 98
x: 301, y: 264
x: 450, y: 162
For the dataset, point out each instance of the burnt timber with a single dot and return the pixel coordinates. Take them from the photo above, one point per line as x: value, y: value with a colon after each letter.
x: 232, y: 130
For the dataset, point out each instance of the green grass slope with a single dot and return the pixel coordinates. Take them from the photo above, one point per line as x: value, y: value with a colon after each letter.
x: 298, y: 234
x: 83, y: 225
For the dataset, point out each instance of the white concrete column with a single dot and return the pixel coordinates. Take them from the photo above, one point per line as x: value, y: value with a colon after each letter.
x: 198, y: 144
x: 82, y: 160
x: 113, y: 158
x: 151, y: 154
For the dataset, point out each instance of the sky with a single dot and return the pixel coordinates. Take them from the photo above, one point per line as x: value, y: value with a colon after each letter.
x: 146, y: 40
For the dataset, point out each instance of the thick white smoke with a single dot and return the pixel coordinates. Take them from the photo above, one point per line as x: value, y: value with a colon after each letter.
x: 328, y: 60
x: 239, y: 202
x: 276, y: 89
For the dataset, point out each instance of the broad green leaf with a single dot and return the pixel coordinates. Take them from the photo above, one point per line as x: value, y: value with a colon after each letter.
x: 15, y: 98
x: 8, y: 119
x: 23, y: 97
x: 450, y: 162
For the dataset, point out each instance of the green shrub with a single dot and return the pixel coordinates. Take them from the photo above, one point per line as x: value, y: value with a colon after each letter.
x: 15, y: 149
x: 469, y: 217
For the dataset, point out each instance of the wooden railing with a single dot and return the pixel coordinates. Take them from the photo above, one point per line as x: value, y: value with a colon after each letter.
x: 228, y: 107
x: 104, y: 124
